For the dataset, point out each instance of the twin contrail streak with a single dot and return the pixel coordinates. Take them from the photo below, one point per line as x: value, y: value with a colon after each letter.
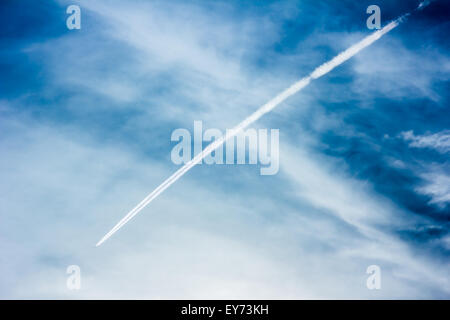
x: 269, y: 106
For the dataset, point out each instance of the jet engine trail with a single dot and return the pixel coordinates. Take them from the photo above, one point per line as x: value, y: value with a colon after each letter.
x: 269, y: 106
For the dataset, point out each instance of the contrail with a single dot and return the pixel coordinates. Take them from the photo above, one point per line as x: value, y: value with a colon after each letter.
x: 269, y: 106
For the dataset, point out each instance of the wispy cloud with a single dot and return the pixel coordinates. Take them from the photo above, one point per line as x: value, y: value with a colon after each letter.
x: 437, y: 186
x: 86, y: 133
x: 438, y: 141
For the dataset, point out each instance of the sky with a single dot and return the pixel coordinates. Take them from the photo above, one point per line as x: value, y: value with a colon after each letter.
x: 86, y: 118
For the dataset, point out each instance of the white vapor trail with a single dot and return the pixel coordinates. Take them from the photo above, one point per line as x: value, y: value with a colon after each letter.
x: 269, y: 106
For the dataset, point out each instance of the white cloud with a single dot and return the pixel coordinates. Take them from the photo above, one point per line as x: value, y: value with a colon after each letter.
x: 316, y: 245
x: 439, y: 141
x: 437, y: 186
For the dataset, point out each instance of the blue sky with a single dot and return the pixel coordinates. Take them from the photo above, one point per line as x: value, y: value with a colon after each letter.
x: 85, y: 123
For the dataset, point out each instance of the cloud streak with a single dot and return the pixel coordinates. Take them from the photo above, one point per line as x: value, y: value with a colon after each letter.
x: 439, y: 141
x: 269, y: 106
